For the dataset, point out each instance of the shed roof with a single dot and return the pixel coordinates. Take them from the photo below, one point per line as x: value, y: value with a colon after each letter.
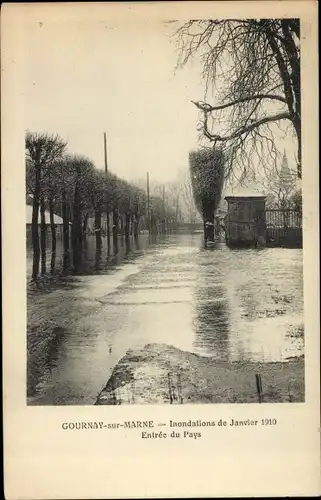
x: 245, y: 198
x: 57, y: 219
x: 253, y: 190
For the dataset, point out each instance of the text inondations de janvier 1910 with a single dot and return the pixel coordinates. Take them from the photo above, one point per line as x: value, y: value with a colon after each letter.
x: 173, y: 429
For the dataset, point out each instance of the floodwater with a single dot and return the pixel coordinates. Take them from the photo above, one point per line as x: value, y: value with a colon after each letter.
x: 244, y: 305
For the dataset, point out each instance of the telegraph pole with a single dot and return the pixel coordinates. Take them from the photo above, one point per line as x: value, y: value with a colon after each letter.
x: 105, y: 152
x: 148, y: 205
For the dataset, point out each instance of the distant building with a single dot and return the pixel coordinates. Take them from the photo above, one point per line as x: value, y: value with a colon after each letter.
x: 57, y: 220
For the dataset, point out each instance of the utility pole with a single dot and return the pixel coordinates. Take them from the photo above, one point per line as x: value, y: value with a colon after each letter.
x: 148, y: 205
x: 105, y: 152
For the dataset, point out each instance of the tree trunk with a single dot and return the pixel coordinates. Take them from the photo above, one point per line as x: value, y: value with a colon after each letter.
x: 152, y: 223
x: 127, y: 226
x: 98, y: 228
x: 294, y: 60
x: 290, y: 78
x: 85, y: 224
x: 53, y: 263
x: 121, y: 225
x: 209, y: 231
x: 52, y: 227
x: 65, y: 220
x: 135, y: 226
x: 121, y: 230
x: 131, y: 225
x: 53, y: 237
x: 76, y: 227
x: 43, y: 231
x: 208, y: 221
x: 127, y: 246
x: 115, y: 230
x: 97, y: 258
x: 297, y: 126
x: 108, y: 231
x: 163, y: 226
x: 34, y: 225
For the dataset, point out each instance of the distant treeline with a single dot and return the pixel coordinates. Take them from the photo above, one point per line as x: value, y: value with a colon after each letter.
x: 72, y: 187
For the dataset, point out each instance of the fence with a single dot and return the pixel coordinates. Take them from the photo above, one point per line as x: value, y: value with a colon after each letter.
x: 283, y: 228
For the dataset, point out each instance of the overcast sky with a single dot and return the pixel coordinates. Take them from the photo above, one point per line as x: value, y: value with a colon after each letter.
x: 84, y: 78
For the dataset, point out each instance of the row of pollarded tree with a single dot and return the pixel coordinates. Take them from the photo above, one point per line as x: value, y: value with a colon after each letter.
x: 71, y: 186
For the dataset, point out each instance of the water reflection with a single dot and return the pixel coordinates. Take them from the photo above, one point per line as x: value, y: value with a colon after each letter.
x: 212, y: 321
x: 247, y: 302
x: 39, y: 370
x: 127, y: 246
x: 233, y: 305
x: 116, y: 246
x: 136, y: 243
x: 97, y: 259
x: 87, y: 259
x: 66, y: 262
x: 53, y: 263
x: 85, y: 249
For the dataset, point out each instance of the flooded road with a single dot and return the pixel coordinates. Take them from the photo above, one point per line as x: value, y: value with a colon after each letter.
x: 228, y: 304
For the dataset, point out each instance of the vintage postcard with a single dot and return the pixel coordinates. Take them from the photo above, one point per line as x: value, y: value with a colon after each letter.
x: 160, y: 249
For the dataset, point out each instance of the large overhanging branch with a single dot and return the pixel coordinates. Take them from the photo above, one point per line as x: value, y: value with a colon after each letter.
x: 245, y: 129
x: 203, y: 106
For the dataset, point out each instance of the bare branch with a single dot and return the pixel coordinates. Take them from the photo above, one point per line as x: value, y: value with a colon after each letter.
x: 253, y: 66
x: 246, y: 129
x: 208, y: 108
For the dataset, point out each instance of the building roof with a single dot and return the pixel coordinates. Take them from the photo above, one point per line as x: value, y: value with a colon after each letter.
x: 245, y: 198
x: 253, y: 191
x: 57, y: 219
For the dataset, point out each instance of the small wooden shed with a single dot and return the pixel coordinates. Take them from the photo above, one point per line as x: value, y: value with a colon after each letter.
x: 57, y: 220
x: 245, y: 221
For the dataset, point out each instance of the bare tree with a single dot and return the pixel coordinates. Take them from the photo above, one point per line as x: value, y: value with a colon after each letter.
x: 188, y: 202
x: 173, y: 201
x: 41, y: 151
x: 253, y: 68
x: 296, y: 200
x: 167, y: 203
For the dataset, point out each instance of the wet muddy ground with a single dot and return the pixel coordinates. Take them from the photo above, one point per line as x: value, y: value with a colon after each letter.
x: 230, y: 305
x: 161, y: 374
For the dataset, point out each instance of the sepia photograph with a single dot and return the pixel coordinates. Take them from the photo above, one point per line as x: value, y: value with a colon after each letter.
x: 160, y: 256
x: 164, y: 212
